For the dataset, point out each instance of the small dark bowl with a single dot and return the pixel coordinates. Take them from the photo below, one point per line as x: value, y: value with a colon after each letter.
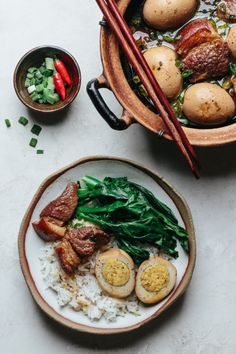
x: 35, y: 57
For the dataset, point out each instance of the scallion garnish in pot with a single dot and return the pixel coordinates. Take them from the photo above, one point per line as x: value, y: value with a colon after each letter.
x: 187, y: 73
x: 232, y: 67
x: 40, y: 152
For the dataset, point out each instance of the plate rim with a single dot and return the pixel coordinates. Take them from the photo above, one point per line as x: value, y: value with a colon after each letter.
x: 185, y: 214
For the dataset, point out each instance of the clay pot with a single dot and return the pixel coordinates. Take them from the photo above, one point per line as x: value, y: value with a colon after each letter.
x: 134, y: 111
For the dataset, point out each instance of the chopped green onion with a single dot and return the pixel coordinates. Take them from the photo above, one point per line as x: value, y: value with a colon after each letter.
x: 32, y: 70
x: 38, y: 74
x: 39, y: 88
x: 33, y: 142
x: 42, y: 69
x: 35, y: 96
x: 51, y: 98
x: 49, y: 63
x: 22, y: 120
x: 50, y: 84
x: 31, y: 89
x: 36, y: 129
x: 47, y: 73
x: 27, y: 83
x: 40, y: 152
x: 8, y: 123
x: 39, y: 83
x: 33, y: 81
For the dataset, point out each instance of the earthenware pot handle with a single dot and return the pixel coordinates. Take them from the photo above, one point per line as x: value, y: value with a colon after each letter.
x: 114, y: 122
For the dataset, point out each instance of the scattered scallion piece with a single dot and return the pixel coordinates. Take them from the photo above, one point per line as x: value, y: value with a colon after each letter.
x: 22, y: 120
x: 8, y: 123
x: 36, y: 129
x: 33, y: 142
x: 40, y: 152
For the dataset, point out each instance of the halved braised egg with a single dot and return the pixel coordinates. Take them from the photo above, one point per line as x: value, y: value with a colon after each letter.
x: 155, y: 280
x: 115, y: 273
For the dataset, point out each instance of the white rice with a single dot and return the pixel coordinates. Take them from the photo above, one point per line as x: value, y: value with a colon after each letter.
x: 82, y: 292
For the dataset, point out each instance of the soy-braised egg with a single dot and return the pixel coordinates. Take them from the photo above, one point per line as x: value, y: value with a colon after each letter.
x: 167, y: 14
x: 208, y: 104
x: 115, y: 273
x: 162, y: 63
x: 155, y: 280
x: 231, y: 40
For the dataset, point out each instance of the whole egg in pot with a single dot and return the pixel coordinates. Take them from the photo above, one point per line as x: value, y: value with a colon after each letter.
x: 208, y: 104
x: 165, y: 14
x: 231, y: 41
x: 162, y: 63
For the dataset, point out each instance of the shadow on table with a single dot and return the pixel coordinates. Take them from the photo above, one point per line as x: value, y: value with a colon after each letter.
x: 50, y: 118
x: 114, y: 341
x: 217, y: 161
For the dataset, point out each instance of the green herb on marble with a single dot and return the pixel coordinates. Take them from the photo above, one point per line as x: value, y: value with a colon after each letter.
x: 36, y: 129
x: 8, y: 123
x: 24, y: 121
x: 33, y: 142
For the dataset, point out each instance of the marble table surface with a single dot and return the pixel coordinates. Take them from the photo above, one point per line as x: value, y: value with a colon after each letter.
x: 203, y: 321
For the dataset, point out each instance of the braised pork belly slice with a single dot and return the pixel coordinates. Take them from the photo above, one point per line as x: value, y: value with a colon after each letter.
x: 86, y: 240
x: 207, y: 61
x: 49, y: 229
x: 193, y: 34
x: 68, y: 259
x: 63, y: 207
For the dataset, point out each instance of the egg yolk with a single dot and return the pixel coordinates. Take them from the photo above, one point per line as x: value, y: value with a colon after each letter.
x: 155, y: 278
x: 115, y: 272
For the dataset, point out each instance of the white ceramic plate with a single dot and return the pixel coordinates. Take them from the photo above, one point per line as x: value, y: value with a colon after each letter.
x: 30, y: 244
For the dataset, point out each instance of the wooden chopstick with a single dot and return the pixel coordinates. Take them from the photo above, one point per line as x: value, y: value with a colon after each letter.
x: 140, y: 66
x: 127, y: 33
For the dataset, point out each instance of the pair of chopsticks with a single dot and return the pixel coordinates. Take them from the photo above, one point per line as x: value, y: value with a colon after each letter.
x: 126, y: 40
